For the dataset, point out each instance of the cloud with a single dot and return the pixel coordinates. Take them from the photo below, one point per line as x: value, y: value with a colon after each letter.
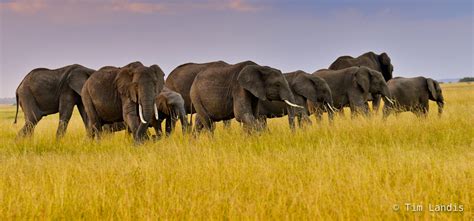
x: 136, y: 7
x: 23, y: 6
x: 29, y: 7
x: 242, y: 6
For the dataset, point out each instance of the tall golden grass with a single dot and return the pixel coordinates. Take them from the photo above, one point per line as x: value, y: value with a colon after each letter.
x: 355, y: 169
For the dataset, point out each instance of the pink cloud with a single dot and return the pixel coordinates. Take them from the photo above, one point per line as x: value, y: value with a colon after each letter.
x: 239, y: 5
x: 137, y: 7
x: 24, y: 6
x: 76, y: 6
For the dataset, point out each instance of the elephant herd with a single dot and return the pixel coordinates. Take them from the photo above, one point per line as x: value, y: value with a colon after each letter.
x: 135, y: 97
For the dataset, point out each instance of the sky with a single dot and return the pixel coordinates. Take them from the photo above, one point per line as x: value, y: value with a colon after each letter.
x: 423, y: 38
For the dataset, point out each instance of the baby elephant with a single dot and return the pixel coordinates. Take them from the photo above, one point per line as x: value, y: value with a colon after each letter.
x: 170, y: 105
x: 412, y: 94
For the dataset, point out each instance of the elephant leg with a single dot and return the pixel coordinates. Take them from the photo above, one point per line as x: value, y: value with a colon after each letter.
x: 341, y: 112
x: 425, y: 110
x: 227, y: 124
x: 198, y: 126
x: 262, y: 122
x: 66, y: 107
x: 32, y: 115
x: 94, y: 125
x: 305, y: 119
x: 331, y: 117
x: 138, y: 129
x: 291, y: 118
x: 203, y: 123
x: 156, y: 124
x: 83, y: 113
x: 249, y: 122
x: 386, y: 112
x: 357, y: 104
x: 318, y: 114
x: 299, y: 119
x: 365, y: 109
x: 169, y: 125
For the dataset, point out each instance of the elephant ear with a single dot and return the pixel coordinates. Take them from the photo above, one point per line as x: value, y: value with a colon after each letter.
x: 125, y: 86
x: 157, y: 70
x: 432, y: 88
x: 361, y: 79
x: 162, y: 104
x: 160, y: 77
x: 384, y: 59
x: 251, y: 79
x: 304, y: 86
x: 76, y: 80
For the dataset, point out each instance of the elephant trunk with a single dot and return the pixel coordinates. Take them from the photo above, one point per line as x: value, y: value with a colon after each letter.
x: 440, y: 103
x: 386, y: 95
x: 147, y: 110
x: 145, y: 113
x: 288, y: 98
x: 184, y: 120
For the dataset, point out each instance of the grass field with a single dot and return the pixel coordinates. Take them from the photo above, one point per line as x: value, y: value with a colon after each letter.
x: 355, y: 169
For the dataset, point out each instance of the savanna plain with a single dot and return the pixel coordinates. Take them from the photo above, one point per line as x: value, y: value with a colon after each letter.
x: 354, y: 169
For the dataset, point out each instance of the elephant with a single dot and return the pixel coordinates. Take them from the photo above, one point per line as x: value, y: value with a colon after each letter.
x: 45, y: 91
x: 412, y: 94
x: 234, y: 91
x: 381, y: 63
x: 304, y: 87
x: 352, y: 86
x: 170, y: 108
x: 126, y: 94
x: 182, y: 77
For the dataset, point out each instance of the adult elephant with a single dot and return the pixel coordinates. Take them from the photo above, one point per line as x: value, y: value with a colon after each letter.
x: 182, y: 77
x: 44, y: 91
x: 234, y: 91
x: 352, y: 87
x: 381, y: 63
x: 126, y: 94
x: 413, y: 94
x: 305, y: 87
x: 170, y: 108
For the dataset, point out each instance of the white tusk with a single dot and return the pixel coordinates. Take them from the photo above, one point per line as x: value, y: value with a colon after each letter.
x: 389, y: 100
x: 293, y: 105
x: 140, y: 113
x: 330, y: 107
x: 156, y: 111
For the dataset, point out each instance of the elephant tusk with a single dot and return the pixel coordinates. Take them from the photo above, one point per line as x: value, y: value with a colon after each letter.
x: 140, y: 113
x: 293, y: 105
x: 389, y: 100
x: 156, y: 111
x: 330, y: 107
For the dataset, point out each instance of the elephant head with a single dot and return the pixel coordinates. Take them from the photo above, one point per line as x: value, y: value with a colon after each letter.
x: 313, y: 88
x: 371, y: 81
x: 435, y: 94
x: 172, y: 105
x: 139, y: 85
x: 266, y: 83
x: 386, y: 66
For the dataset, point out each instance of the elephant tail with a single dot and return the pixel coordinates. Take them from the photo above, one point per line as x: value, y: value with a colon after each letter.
x: 191, y: 117
x: 17, y: 103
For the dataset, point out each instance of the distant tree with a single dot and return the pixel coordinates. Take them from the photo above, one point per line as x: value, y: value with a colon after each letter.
x: 467, y: 79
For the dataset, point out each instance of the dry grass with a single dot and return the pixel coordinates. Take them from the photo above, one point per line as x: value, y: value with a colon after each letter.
x: 354, y: 169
